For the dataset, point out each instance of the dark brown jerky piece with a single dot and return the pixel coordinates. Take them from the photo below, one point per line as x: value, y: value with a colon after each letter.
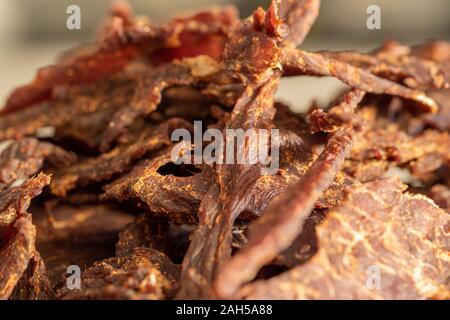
x: 164, y: 187
x: 276, y: 230
x: 374, y: 232
x: 79, y: 235
x: 145, y: 274
x: 412, y: 71
x: 126, y: 40
x: 17, y: 233
x: 25, y: 157
x: 34, y: 284
x: 297, y: 62
x: 117, y: 161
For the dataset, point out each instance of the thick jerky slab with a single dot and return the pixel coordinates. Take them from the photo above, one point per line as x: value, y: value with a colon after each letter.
x: 145, y: 274
x: 164, y: 187
x: 81, y: 235
x: 34, y: 284
x: 25, y: 157
x: 117, y: 161
x: 403, y: 238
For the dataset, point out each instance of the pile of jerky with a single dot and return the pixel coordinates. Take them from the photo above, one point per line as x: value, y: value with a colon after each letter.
x: 358, y: 209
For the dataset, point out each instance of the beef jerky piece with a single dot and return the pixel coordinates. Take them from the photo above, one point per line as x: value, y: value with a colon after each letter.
x: 440, y: 120
x: 440, y: 194
x: 276, y: 230
x: 149, y: 89
x: 117, y: 161
x: 15, y: 254
x: 164, y: 187
x: 34, y: 284
x: 433, y: 50
x: 25, y: 157
x: 341, y: 113
x: 128, y: 41
x: 81, y: 113
x: 414, y: 72
x: 377, y: 231
x: 297, y: 62
x: 77, y: 235
x: 299, y: 16
x: 145, y: 274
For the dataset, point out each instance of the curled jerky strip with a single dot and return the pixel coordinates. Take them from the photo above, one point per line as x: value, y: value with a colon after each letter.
x: 298, y: 62
x: 412, y: 71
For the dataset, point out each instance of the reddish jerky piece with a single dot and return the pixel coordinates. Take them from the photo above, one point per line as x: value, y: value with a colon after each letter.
x: 376, y: 228
x: 24, y: 158
x: 145, y: 274
x: 297, y: 62
x: 117, y: 161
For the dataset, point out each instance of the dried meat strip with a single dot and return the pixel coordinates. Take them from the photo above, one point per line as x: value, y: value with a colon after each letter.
x: 378, y: 231
x: 148, y: 93
x: 164, y: 187
x: 130, y: 41
x: 298, y: 62
x: 277, y: 228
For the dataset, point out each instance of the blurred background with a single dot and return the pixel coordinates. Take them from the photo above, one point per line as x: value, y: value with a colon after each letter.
x: 32, y: 32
